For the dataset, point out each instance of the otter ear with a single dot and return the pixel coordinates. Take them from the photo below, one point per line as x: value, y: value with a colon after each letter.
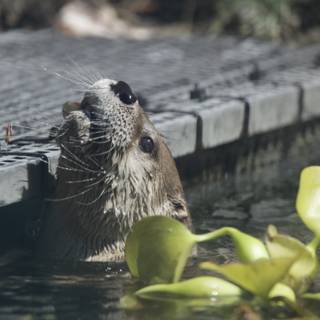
x: 68, y: 107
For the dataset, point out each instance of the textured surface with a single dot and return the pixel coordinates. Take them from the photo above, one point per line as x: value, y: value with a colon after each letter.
x: 222, y: 123
x: 272, y: 108
x: 243, y: 87
x: 179, y: 130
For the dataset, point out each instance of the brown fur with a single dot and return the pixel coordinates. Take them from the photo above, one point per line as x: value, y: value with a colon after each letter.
x: 90, y: 219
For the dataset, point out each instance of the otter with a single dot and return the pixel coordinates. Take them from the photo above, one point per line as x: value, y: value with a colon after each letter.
x: 114, y: 169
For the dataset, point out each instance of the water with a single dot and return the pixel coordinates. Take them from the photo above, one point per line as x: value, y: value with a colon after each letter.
x: 34, y: 290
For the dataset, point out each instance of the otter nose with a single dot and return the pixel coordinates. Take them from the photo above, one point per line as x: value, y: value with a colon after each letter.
x: 127, y: 98
x: 122, y: 90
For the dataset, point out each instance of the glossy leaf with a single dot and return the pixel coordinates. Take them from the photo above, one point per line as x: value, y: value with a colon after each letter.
x: 157, y: 249
x: 305, y: 266
x: 200, y: 287
x: 258, y: 277
x: 282, y: 291
x: 308, y: 199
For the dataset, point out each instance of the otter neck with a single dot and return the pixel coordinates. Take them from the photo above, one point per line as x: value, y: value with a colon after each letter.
x: 110, y: 199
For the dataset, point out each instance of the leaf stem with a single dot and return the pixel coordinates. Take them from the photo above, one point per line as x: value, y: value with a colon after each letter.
x: 314, y: 244
x: 213, y: 234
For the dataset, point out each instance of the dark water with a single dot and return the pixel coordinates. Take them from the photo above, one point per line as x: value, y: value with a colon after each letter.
x: 34, y: 290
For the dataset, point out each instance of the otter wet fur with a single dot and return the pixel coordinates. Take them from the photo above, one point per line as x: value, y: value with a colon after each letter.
x: 114, y: 169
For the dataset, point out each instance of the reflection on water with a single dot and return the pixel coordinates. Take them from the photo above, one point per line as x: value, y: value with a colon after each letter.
x: 36, y: 290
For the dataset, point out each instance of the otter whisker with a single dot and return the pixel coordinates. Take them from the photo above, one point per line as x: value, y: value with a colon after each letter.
x: 103, y: 132
x: 100, y: 139
x: 71, y: 169
x: 95, y: 162
x: 87, y: 83
x: 59, y: 75
x: 105, y: 138
x: 101, y: 142
x: 95, y: 200
x: 82, y: 180
x: 101, y: 120
x: 84, y: 72
x: 106, y: 135
x: 87, y: 189
x: 104, y: 152
x: 100, y: 135
x: 75, y: 145
x: 68, y: 197
x: 100, y: 129
x: 101, y: 123
x: 77, y: 76
x: 95, y: 74
x: 75, y: 157
x: 58, y: 134
x: 84, y: 165
x: 77, y: 82
x: 74, y: 142
x: 80, y: 73
x: 78, y: 164
x: 104, y: 176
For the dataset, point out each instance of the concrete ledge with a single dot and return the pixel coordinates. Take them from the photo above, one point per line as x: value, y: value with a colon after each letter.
x: 273, y: 108
x: 221, y: 120
x: 222, y: 123
x: 307, y: 79
x: 24, y: 172
x: 311, y: 99
x: 179, y: 131
x: 271, y: 105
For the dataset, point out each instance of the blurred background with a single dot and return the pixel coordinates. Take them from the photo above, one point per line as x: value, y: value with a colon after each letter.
x: 285, y: 20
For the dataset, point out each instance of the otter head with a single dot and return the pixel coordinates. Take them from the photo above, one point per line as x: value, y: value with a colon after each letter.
x: 115, y: 167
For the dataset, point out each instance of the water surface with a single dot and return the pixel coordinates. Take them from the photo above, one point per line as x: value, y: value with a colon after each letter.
x: 34, y: 290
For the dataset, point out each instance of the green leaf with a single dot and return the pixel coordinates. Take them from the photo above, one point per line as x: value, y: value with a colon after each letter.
x: 308, y: 199
x: 258, y: 277
x: 314, y: 296
x: 248, y: 248
x: 200, y: 287
x: 157, y: 249
x: 282, y: 291
x: 305, y: 266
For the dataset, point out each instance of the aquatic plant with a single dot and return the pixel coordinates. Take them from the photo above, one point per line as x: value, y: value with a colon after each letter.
x: 282, y: 268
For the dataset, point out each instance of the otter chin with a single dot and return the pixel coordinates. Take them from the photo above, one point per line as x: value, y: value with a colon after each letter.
x: 114, y: 169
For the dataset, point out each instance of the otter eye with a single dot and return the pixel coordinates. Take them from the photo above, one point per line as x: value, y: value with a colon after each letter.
x: 146, y: 144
